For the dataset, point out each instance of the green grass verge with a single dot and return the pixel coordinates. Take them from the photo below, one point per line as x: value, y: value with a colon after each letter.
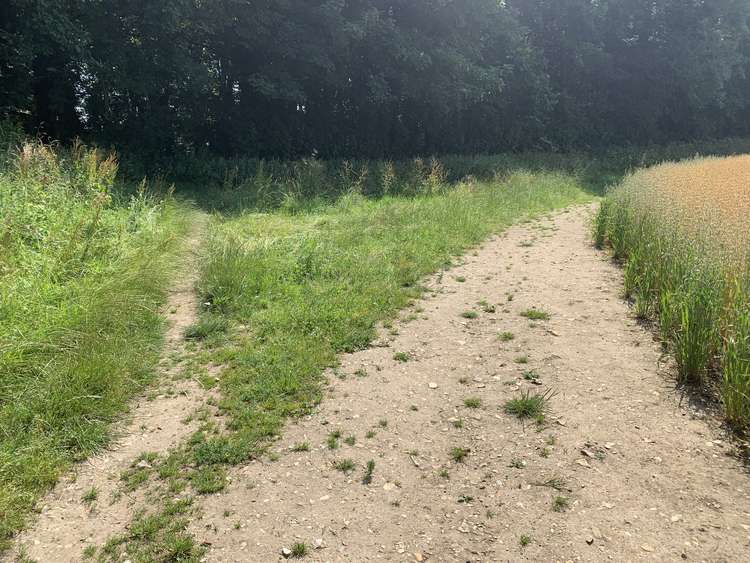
x: 313, y: 283
x: 81, y: 276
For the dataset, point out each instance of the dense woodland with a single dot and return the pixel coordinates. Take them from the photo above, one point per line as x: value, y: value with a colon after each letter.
x: 375, y: 78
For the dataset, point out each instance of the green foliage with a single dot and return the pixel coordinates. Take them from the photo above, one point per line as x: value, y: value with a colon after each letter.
x: 736, y: 381
x: 641, y: 70
x: 473, y: 402
x: 369, y: 470
x: 288, y: 79
x: 529, y: 405
x: 299, y: 549
x: 236, y: 185
x: 207, y: 480
x: 344, y: 465
x: 560, y: 503
x: 459, y: 454
x: 159, y: 536
x: 402, y: 357
x: 535, y: 315
x: 82, y: 272
x: 207, y: 326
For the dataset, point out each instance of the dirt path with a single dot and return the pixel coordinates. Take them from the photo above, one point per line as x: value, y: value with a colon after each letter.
x: 67, y: 524
x: 645, y: 477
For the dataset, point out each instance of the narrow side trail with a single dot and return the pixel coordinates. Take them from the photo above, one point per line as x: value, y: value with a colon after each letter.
x: 621, y: 469
x: 67, y: 524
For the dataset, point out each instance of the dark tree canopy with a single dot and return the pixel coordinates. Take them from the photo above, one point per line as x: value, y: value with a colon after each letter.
x: 284, y: 78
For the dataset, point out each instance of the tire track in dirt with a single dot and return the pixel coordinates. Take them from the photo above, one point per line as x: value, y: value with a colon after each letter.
x: 66, y: 524
x: 645, y: 477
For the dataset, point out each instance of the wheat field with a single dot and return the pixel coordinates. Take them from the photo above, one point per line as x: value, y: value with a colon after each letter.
x: 682, y: 231
x: 712, y: 199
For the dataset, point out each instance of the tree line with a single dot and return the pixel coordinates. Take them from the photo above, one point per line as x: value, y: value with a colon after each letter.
x: 376, y: 78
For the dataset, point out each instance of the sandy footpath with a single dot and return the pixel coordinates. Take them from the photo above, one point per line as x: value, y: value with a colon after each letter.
x: 643, y: 477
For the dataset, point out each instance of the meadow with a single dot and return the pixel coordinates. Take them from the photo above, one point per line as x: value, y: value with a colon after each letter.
x: 682, y: 232
x: 232, y: 184
x: 313, y: 283
x: 87, y: 258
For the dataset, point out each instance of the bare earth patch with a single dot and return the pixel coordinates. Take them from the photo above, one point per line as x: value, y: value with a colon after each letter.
x: 70, y: 519
x: 620, y: 469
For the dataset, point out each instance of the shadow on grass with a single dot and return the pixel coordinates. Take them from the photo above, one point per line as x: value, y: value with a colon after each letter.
x: 234, y: 185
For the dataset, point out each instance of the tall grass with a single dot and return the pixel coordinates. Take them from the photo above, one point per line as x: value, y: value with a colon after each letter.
x: 311, y: 281
x: 231, y: 184
x: 82, y: 272
x: 682, y: 231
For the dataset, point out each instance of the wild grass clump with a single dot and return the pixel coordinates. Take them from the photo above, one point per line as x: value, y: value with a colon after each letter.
x: 206, y: 327
x: 158, y: 536
x: 529, y: 405
x: 681, y: 231
x: 82, y: 272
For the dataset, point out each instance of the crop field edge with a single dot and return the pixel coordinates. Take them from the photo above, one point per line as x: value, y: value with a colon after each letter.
x: 698, y: 307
